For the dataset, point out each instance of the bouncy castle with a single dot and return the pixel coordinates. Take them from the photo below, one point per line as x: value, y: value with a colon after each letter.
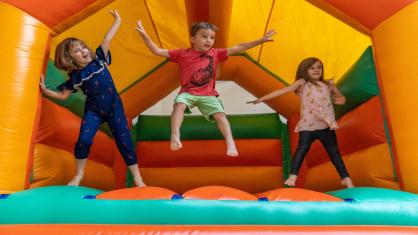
x: 369, y: 47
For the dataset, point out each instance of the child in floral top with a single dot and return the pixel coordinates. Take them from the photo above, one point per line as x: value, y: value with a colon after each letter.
x: 317, y: 118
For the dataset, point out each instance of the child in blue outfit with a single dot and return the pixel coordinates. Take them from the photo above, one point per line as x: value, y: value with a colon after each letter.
x: 88, y: 72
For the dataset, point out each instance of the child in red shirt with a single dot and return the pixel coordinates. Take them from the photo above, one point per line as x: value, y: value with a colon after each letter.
x: 198, y: 67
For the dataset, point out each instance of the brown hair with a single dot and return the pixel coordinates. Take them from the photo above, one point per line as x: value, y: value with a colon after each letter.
x: 302, y: 71
x: 202, y: 25
x: 63, y: 59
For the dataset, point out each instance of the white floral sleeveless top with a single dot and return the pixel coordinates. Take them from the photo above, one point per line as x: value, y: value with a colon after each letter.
x: 316, y: 109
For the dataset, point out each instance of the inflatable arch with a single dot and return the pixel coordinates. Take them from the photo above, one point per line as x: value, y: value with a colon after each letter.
x: 366, y: 45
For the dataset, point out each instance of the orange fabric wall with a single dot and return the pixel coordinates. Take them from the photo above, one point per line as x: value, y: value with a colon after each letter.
x: 359, y: 11
x: 195, y: 153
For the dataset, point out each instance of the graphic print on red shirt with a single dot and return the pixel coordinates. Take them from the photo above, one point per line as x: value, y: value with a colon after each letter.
x: 203, y: 76
x: 198, y: 69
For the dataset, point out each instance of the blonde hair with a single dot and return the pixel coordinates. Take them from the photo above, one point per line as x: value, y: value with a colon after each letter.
x: 63, y: 59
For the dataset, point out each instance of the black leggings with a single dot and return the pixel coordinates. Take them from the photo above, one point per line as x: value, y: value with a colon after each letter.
x: 328, y: 140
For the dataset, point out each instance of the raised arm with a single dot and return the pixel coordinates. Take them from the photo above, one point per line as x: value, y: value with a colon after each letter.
x: 111, y: 32
x: 337, y: 97
x: 247, y: 45
x: 149, y: 43
x: 60, y: 95
x: 293, y: 87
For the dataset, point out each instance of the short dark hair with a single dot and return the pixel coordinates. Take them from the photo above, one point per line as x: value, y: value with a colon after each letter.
x: 201, y: 25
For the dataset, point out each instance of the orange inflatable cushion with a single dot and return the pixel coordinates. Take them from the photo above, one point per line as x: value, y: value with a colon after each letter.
x: 297, y: 194
x: 218, y: 193
x: 137, y: 193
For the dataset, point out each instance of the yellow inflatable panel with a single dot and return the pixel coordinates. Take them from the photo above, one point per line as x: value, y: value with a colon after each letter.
x: 131, y: 59
x: 23, y: 45
x: 396, y: 52
x: 302, y: 31
x: 371, y: 167
x: 170, y: 24
x: 54, y: 166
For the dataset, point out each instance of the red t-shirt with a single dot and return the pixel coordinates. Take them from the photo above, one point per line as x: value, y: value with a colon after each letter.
x: 198, y: 69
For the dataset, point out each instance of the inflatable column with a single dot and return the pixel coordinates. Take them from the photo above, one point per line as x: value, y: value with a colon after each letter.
x: 395, y: 46
x: 24, y: 45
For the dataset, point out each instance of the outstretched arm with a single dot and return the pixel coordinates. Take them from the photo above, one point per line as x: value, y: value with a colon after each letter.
x: 60, y: 95
x: 293, y: 87
x: 247, y: 45
x: 149, y: 43
x: 111, y: 32
x: 337, y: 97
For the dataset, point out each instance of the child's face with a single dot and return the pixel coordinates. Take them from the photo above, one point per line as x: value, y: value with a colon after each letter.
x: 315, y: 71
x: 80, y: 55
x: 203, y: 40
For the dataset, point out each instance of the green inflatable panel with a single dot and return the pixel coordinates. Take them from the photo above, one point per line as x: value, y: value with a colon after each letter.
x: 370, y: 194
x: 58, y: 192
x: 247, y: 126
x: 68, y: 205
x: 358, y: 84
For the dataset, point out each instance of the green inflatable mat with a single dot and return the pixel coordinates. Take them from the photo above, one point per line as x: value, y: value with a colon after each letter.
x: 373, y: 194
x: 77, y: 205
x: 246, y: 126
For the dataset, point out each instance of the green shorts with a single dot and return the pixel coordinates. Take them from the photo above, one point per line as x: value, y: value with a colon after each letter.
x: 208, y: 105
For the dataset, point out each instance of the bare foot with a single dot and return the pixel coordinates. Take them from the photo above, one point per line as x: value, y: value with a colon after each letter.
x: 347, y: 182
x: 175, y: 143
x: 291, y: 181
x: 139, y: 182
x: 75, y: 181
x: 231, y: 150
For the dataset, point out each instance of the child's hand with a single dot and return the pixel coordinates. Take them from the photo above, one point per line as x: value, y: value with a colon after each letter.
x: 268, y: 36
x: 139, y: 27
x: 254, y: 101
x: 42, y: 83
x: 331, y: 81
x: 115, y: 15
x: 339, y: 100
